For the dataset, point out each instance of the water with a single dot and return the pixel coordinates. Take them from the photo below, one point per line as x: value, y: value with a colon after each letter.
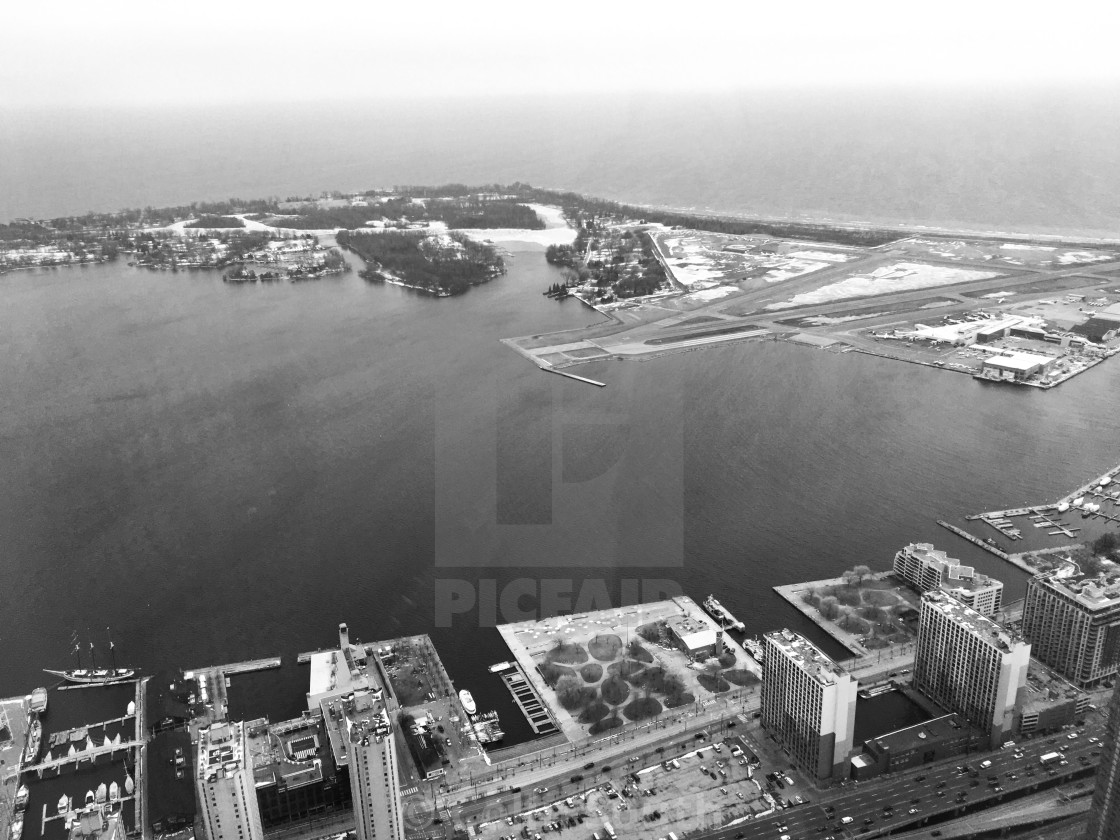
x: 1002, y: 157
x: 221, y: 473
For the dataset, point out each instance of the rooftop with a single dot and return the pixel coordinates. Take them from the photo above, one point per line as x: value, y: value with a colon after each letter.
x: 1018, y: 361
x: 1093, y: 591
x: 289, y: 754
x: 1045, y: 688
x: 219, y: 750
x: 911, y: 737
x: 807, y: 656
x: 355, y: 719
x: 981, y: 626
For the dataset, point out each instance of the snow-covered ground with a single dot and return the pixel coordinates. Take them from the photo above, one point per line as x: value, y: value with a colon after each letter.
x: 827, y: 256
x: 556, y: 230
x: 711, y: 294
x: 1083, y: 256
x: 789, y: 267
x: 899, y: 277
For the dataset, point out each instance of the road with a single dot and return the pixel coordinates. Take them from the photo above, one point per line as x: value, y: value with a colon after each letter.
x: 932, y: 790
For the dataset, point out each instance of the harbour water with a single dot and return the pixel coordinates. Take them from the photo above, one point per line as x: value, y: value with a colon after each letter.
x: 220, y: 473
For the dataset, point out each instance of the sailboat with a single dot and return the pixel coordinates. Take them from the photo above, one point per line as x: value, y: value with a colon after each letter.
x: 93, y: 675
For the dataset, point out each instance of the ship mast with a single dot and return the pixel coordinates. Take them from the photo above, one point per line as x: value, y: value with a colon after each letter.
x: 112, y: 651
x: 77, y: 649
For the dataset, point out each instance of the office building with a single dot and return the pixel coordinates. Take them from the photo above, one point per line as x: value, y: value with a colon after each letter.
x: 362, y: 739
x: 926, y: 568
x: 1073, y: 623
x: 808, y: 704
x: 1104, y: 816
x: 227, y: 797
x: 968, y: 664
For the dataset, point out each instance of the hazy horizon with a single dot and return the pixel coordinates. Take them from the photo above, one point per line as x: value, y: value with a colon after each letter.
x: 1006, y: 158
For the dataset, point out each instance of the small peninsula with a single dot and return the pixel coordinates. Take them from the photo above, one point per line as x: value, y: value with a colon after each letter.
x: 442, y: 263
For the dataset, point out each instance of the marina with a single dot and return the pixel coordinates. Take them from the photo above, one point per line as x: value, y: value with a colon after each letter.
x: 530, y: 703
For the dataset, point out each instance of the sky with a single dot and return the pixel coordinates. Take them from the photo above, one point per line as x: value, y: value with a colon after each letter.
x: 131, y: 53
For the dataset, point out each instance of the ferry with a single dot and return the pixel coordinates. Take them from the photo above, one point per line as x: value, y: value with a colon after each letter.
x: 34, y: 742
x: 38, y: 701
x: 754, y: 647
x: 467, y: 701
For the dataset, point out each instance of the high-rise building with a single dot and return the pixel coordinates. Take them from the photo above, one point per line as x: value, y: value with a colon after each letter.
x: 361, y: 733
x: 227, y: 796
x: 926, y: 568
x: 1073, y: 623
x: 969, y: 664
x: 1104, y: 816
x: 808, y: 704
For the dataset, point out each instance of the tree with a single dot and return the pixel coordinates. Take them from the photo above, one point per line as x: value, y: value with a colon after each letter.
x: 849, y: 577
x: 829, y: 608
x: 1105, y: 544
x: 861, y: 572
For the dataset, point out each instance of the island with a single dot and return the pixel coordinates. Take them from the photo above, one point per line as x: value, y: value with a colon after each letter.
x: 442, y: 263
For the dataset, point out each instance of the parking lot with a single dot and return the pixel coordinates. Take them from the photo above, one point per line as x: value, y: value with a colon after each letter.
x: 707, y: 786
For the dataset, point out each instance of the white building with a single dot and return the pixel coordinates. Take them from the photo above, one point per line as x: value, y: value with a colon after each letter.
x: 808, y: 704
x: 227, y: 795
x: 361, y: 732
x: 925, y: 568
x: 969, y: 664
x: 1014, y: 367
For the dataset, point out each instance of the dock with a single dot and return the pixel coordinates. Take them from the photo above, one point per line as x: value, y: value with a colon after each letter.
x: 527, y: 699
x: 573, y: 376
x: 246, y: 667
x: 82, y: 755
x: 987, y: 546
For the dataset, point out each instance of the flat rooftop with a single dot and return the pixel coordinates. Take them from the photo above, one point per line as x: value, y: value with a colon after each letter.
x: 354, y: 718
x: 911, y: 737
x: 1093, y: 591
x: 1018, y: 361
x: 807, y: 656
x: 1046, y: 688
x: 983, y: 627
x: 290, y: 754
x: 219, y: 750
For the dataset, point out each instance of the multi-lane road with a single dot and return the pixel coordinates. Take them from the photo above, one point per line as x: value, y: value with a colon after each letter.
x: 934, y: 792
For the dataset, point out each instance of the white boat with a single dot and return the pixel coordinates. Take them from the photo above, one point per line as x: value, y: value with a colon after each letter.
x: 90, y: 797
x: 39, y: 701
x: 501, y: 666
x: 102, y: 792
x: 22, y: 795
x: 63, y: 804
x: 114, y: 792
x: 1063, y: 507
x: 1106, y: 481
x: 34, y: 742
x: 129, y: 785
x: 1077, y: 502
x: 15, y: 831
x: 467, y: 701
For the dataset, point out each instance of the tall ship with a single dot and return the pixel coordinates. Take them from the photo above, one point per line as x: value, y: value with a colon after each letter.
x: 94, y: 675
x: 34, y: 741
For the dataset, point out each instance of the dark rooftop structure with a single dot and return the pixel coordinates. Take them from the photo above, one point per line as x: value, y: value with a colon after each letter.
x: 169, y: 781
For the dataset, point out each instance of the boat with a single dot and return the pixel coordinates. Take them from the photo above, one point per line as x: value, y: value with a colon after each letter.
x: 754, y: 647
x: 102, y: 792
x: 1063, y: 507
x: 38, y: 701
x: 90, y: 797
x: 501, y: 666
x: 93, y: 675
x: 722, y: 614
x: 129, y: 785
x: 20, y: 802
x: 34, y: 741
x: 467, y: 701
x: 15, y: 830
x: 114, y: 792
x: 63, y: 804
x: 1077, y: 502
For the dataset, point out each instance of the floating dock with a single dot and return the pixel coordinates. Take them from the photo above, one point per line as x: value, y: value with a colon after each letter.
x: 530, y: 703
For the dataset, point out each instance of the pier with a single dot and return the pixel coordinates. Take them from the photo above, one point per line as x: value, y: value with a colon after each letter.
x: 573, y: 376
x: 82, y: 755
x: 246, y: 667
x: 527, y: 699
x: 960, y: 532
